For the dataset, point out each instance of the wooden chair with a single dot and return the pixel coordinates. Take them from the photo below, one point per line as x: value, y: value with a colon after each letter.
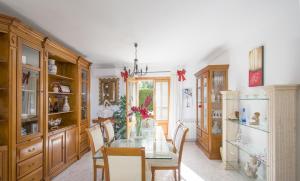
x: 96, y: 143
x: 109, y: 131
x: 125, y: 164
x: 171, y: 142
x: 174, y: 163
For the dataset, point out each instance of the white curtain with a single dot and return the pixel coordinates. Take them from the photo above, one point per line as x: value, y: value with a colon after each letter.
x: 176, y: 98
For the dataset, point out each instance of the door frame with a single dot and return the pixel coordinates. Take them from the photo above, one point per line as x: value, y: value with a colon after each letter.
x: 155, y: 79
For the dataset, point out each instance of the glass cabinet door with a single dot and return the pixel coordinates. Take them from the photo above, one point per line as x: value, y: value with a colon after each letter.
x: 84, y: 94
x: 29, y: 92
x: 205, y: 102
x: 199, y: 102
x: 218, y: 85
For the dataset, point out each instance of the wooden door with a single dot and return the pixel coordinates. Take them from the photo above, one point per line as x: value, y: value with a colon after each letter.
x: 162, y: 103
x: 29, y: 90
x: 71, y: 145
x: 56, y: 152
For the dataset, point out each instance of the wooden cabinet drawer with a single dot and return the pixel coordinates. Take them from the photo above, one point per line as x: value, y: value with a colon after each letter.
x: 36, y: 175
x: 84, y: 144
x: 29, y: 165
x: 83, y: 127
x: 29, y: 149
x: 83, y: 137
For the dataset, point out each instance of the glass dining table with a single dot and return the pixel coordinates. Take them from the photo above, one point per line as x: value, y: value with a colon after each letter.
x: 153, y: 140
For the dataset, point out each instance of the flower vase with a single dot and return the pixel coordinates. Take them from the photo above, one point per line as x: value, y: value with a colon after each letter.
x: 138, y: 127
x: 66, y: 107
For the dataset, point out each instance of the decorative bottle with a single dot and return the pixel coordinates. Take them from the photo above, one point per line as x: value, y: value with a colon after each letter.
x: 66, y: 106
x: 52, y: 68
x: 244, y: 116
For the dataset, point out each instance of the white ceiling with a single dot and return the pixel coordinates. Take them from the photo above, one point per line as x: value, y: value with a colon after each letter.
x: 169, y: 32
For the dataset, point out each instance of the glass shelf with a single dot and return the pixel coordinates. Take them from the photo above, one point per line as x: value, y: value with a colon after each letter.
x: 250, y: 99
x: 260, y: 127
x: 249, y: 150
x: 236, y: 166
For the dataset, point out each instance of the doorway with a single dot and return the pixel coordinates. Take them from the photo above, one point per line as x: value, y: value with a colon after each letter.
x: 137, y: 89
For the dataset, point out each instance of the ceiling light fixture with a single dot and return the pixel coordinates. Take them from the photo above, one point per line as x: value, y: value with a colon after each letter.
x: 136, y: 71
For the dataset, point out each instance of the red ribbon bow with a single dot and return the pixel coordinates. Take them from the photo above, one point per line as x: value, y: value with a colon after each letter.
x: 181, y: 75
x: 124, y: 75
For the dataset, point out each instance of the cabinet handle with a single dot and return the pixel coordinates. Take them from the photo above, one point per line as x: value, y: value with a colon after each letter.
x: 31, y: 150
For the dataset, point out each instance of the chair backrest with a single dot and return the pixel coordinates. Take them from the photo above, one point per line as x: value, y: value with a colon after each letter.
x: 95, y: 137
x: 178, y: 124
x: 109, y: 131
x: 124, y: 164
x: 179, y: 141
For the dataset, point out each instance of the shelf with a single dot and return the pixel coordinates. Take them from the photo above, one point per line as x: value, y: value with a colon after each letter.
x: 260, y: 127
x: 27, y: 90
x: 55, y: 113
x: 3, y: 61
x: 60, y: 76
x: 3, y: 88
x: 235, y: 165
x: 250, y: 99
x: 249, y: 150
x: 61, y: 93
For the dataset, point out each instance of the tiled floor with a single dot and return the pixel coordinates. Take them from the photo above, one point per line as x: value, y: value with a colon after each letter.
x: 195, y: 167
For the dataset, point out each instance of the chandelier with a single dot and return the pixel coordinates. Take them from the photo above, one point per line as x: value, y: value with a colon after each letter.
x: 136, y: 71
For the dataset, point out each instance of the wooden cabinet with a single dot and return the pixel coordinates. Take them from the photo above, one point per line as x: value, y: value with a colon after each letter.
x: 71, y: 145
x: 29, y: 90
x: 26, y: 98
x: 209, y: 82
x: 56, y: 152
x: 3, y: 163
x: 84, y: 102
x: 63, y: 149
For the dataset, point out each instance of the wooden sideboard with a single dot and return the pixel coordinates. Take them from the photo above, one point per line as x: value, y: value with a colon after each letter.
x: 209, y: 82
x: 27, y: 98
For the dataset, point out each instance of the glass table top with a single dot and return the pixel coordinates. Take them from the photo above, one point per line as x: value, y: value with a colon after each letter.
x: 152, y: 139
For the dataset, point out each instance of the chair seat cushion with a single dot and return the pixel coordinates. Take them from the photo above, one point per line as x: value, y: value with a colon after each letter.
x: 173, y: 162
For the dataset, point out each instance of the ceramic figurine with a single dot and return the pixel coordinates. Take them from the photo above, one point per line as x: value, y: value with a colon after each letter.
x: 251, y: 167
x: 66, y: 107
x: 234, y: 115
x: 255, y: 119
x: 52, y: 68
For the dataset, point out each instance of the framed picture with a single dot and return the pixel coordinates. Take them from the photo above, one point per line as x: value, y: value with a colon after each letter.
x: 109, y: 91
x: 256, y: 67
x: 187, y: 95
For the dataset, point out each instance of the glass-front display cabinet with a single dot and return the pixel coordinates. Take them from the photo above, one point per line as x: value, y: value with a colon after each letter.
x: 84, y: 94
x: 29, y: 91
x: 210, y: 81
x: 259, y: 130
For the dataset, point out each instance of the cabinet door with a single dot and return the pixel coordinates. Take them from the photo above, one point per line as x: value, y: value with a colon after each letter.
x: 84, y: 77
x: 205, y: 103
x: 71, y: 144
x: 56, y: 152
x: 29, y: 91
x: 218, y: 83
x: 199, y: 101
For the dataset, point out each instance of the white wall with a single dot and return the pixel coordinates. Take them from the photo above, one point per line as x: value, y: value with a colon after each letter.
x: 96, y: 73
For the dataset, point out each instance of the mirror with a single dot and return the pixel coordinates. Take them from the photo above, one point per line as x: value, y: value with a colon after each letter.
x: 109, y: 91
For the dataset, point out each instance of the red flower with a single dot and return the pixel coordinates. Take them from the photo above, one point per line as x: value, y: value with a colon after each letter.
x: 147, y: 101
x: 134, y: 109
x: 144, y: 113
